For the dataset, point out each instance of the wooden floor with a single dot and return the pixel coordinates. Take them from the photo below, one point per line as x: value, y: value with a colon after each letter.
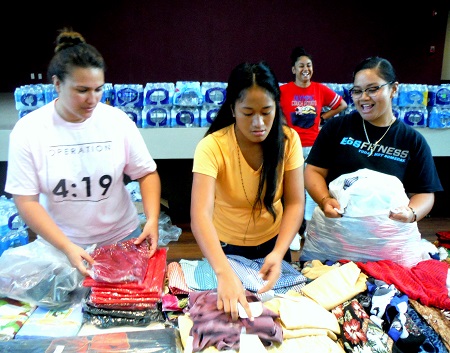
x: 187, y: 248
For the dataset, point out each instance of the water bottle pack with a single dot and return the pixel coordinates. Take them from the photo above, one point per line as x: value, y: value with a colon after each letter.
x: 159, y: 93
x: 109, y: 94
x: 184, y: 117
x: 29, y: 97
x: 13, y: 231
x: 208, y: 113
x: 214, y: 92
x: 32, y: 97
x: 134, y: 113
x: 412, y: 95
x: 129, y: 95
x: 439, y: 118
x: 156, y: 116
x: 443, y: 96
x: 414, y: 116
x: 188, y: 94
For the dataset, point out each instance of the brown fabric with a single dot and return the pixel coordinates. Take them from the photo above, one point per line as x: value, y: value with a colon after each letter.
x: 438, y: 319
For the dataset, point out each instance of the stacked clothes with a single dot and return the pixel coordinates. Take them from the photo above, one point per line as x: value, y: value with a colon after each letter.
x: 134, y: 302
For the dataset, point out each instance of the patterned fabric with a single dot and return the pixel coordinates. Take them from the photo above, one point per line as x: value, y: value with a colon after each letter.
x: 13, y: 314
x: 248, y: 272
x: 199, y: 274
x: 359, y: 333
x: 432, y: 342
x: 437, y: 320
x: 176, y: 280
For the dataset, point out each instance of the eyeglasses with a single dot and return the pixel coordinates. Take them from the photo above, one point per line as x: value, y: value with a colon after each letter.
x: 371, y: 91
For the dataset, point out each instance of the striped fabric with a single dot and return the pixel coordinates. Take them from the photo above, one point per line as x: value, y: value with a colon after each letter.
x: 248, y: 272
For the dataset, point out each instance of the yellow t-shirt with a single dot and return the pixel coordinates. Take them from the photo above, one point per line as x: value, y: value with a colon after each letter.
x: 217, y: 155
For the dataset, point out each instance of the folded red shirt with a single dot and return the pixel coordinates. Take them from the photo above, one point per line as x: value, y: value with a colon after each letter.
x: 120, y: 262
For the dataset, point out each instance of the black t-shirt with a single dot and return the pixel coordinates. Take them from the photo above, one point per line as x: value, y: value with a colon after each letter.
x: 342, y: 147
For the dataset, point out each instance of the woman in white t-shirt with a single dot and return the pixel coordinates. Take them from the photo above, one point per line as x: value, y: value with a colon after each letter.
x: 68, y: 159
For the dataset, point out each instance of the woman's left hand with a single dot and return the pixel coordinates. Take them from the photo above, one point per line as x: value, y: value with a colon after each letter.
x: 402, y: 214
x: 270, y: 271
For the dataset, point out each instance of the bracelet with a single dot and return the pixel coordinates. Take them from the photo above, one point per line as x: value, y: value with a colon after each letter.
x: 323, y: 200
x: 414, y: 214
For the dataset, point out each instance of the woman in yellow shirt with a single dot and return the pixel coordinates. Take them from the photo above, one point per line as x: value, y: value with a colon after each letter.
x: 247, y: 192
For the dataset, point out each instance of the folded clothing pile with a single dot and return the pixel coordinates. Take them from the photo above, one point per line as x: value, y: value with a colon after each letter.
x: 120, y: 298
x: 120, y: 262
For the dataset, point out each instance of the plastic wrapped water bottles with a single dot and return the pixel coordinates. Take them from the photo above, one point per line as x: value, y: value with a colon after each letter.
x: 29, y: 98
x: 134, y: 113
x: 214, y: 92
x: 188, y: 94
x: 414, y: 116
x: 156, y: 116
x: 443, y: 96
x: 185, y: 117
x: 158, y: 100
x: 109, y: 94
x: 129, y: 95
x: 412, y: 95
x: 208, y: 113
x: 159, y: 93
x: 439, y: 118
x: 13, y: 231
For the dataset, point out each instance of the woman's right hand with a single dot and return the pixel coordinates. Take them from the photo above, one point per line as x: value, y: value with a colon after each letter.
x: 76, y: 256
x: 331, y: 208
x: 230, y: 292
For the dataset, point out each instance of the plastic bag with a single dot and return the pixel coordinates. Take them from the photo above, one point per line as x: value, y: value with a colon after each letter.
x: 40, y: 274
x: 120, y: 262
x: 368, y: 193
x: 167, y: 231
x: 365, y: 232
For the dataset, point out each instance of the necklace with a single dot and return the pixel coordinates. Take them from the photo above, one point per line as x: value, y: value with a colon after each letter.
x: 374, y: 145
x: 245, y: 192
x: 240, y: 173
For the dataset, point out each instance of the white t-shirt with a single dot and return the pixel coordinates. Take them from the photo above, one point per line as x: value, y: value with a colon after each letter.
x: 78, y: 170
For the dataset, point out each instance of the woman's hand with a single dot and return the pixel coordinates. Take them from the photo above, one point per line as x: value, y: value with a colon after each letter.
x: 331, y: 207
x: 270, y: 271
x: 403, y: 214
x: 151, y: 233
x: 77, y: 255
x: 230, y: 292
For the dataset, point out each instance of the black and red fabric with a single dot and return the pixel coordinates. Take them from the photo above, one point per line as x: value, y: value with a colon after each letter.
x: 425, y: 282
x: 131, y: 295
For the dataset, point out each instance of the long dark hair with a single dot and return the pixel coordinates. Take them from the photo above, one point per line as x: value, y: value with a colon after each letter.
x: 242, y: 77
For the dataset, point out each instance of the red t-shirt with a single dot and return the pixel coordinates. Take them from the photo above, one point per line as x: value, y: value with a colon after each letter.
x: 302, y: 108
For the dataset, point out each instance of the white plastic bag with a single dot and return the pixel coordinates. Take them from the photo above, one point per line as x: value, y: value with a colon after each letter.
x: 365, y: 232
